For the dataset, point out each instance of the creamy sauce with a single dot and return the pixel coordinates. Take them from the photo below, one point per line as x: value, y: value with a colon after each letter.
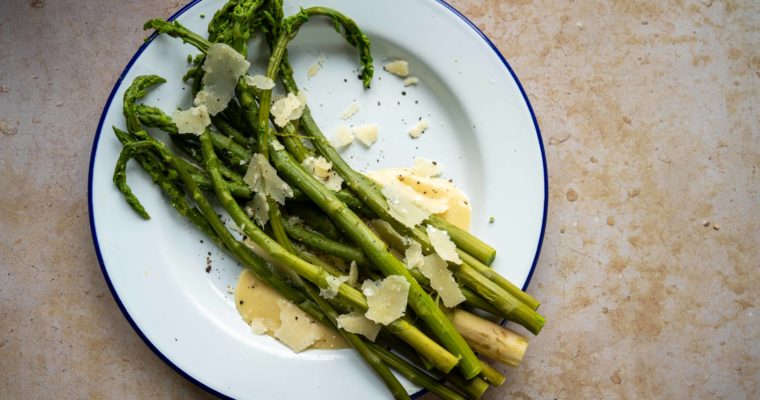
x: 459, y: 210
x: 254, y: 299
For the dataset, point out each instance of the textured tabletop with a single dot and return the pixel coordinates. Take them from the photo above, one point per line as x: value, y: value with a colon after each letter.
x: 650, y: 266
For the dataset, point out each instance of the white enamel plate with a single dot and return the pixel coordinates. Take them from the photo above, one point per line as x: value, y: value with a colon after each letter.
x: 482, y: 129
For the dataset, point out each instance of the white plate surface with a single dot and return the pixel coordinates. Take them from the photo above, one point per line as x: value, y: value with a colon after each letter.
x: 481, y: 129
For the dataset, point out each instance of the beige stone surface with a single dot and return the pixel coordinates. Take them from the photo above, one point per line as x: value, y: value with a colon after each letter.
x: 649, y: 273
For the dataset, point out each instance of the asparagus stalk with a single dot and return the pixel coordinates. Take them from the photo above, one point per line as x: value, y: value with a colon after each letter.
x: 490, y: 339
x: 228, y: 130
x: 473, y: 388
x: 465, y: 240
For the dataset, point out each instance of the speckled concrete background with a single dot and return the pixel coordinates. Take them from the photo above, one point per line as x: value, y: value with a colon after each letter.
x: 650, y: 268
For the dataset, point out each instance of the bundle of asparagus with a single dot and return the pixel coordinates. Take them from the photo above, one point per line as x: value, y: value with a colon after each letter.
x: 251, y: 159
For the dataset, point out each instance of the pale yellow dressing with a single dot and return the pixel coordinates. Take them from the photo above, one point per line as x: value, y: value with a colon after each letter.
x: 459, y: 210
x: 254, y: 299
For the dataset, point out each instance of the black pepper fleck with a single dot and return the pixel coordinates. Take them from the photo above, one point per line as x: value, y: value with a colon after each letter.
x: 403, y: 93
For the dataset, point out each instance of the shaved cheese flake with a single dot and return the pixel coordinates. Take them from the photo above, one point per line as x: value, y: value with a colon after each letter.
x: 412, y: 80
x: 350, y: 111
x: 353, y: 274
x: 193, y: 120
x: 277, y: 146
x: 333, y: 284
x: 401, y: 207
x: 356, y: 323
x: 322, y: 170
x: 413, y: 255
x: 222, y: 68
x: 441, y: 280
x: 418, y: 129
x: 426, y: 168
x: 343, y: 137
x: 458, y: 208
x: 314, y: 68
x: 296, y: 330
x: 398, y: 67
x: 258, y: 209
x: 386, y: 299
x: 261, y: 177
x: 288, y: 108
x: 259, y: 326
x: 367, y: 134
x: 443, y: 244
x: 259, y: 82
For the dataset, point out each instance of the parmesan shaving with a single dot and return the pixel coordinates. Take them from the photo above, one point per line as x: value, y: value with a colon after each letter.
x: 333, y: 284
x: 193, y: 120
x: 314, y: 68
x: 386, y: 299
x: 412, y: 80
x: 277, y: 146
x: 288, y: 108
x: 458, y: 208
x: 357, y: 323
x: 261, y: 177
x: 258, y: 326
x: 350, y: 111
x: 343, y: 137
x: 401, y: 207
x: 418, y: 129
x: 258, y: 209
x: 414, y: 257
x: 367, y: 134
x: 426, y: 168
x: 399, y: 68
x: 222, y: 69
x: 443, y: 244
x: 322, y: 170
x: 353, y: 274
x: 296, y: 330
x: 441, y: 280
x: 259, y: 81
